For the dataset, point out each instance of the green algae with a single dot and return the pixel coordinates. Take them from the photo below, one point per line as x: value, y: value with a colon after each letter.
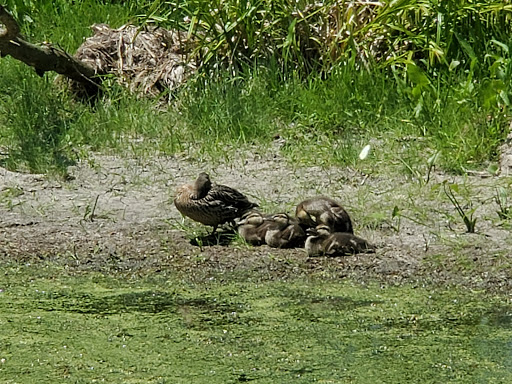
x: 95, y: 328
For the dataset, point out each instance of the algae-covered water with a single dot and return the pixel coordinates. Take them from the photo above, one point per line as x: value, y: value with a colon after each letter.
x: 56, y: 327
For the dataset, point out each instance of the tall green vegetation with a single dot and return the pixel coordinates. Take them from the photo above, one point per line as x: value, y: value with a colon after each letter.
x: 441, y: 66
x: 305, y: 35
x: 321, y: 76
x: 36, y: 122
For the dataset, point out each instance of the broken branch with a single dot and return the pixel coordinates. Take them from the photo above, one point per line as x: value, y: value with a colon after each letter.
x: 43, y: 58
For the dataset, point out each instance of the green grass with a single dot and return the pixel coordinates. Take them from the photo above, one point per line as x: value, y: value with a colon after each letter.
x: 324, y: 122
x: 37, y: 122
x: 407, y: 111
x: 58, y: 327
x: 65, y: 23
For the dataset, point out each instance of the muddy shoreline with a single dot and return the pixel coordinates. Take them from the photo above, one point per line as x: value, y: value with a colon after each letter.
x: 115, y: 215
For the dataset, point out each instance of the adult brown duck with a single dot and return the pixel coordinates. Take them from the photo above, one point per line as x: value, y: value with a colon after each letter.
x: 323, y: 210
x: 211, y: 204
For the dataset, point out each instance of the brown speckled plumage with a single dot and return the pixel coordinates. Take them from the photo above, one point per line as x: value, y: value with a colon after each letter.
x: 211, y: 204
x: 253, y: 227
x: 323, y: 210
x: 322, y: 242
x: 284, y: 232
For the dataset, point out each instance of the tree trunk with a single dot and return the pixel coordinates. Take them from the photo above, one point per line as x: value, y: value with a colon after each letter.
x: 44, y: 58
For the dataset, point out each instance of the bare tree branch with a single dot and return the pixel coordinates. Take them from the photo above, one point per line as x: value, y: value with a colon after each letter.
x: 43, y: 58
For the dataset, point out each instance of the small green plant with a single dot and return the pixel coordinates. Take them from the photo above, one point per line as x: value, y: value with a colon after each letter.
x: 415, y: 170
x: 465, y: 212
x: 11, y: 192
x: 89, y: 213
x: 501, y: 198
x: 431, y: 164
x: 9, y: 195
x: 396, y: 216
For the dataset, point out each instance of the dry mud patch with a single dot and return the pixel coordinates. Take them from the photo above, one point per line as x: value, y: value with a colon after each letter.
x: 116, y: 215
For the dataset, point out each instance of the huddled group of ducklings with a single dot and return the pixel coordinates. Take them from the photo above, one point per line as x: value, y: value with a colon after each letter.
x: 321, y: 224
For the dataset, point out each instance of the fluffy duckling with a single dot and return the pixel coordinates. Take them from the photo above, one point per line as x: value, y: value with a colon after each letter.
x: 322, y: 242
x: 253, y: 227
x: 323, y: 210
x: 284, y: 232
x: 211, y: 204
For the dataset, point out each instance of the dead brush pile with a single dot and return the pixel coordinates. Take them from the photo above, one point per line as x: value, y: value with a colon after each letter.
x: 154, y: 61
x: 148, y: 60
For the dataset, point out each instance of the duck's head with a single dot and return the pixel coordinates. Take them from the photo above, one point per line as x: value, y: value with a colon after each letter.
x: 202, y: 185
x: 281, y: 219
x: 252, y: 218
x: 321, y: 230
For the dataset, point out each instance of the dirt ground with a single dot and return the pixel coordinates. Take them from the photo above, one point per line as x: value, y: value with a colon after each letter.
x: 116, y: 215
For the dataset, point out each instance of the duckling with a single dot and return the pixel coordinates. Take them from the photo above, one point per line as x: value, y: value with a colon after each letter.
x: 321, y: 241
x: 323, y: 210
x: 253, y: 227
x: 211, y: 204
x: 284, y: 232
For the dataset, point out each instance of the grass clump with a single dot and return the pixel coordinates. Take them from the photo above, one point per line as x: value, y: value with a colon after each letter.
x: 37, y: 122
x: 465, y: 212
x: 502, y: 201
x: 230, y: 110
